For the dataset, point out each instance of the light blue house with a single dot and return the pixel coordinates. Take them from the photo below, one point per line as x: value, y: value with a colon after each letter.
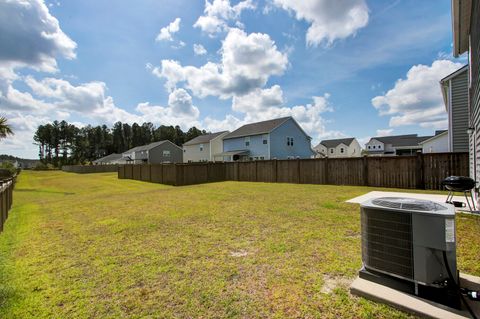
x: 281, y: 138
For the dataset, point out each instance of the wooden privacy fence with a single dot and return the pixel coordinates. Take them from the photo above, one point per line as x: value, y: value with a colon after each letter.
x: 6, y: 199
x: 86, y: 169
x: 422, y: 171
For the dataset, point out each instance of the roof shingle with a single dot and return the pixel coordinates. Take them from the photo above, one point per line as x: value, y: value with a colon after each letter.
x: 257, y: 128
x: 206, y: 138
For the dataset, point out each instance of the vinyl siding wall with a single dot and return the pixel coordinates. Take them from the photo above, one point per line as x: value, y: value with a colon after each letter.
x: 475, y: 79
x: 155, y: 155
x: 192, y: 153
x: 301, y: 143
x: 256, y: 147
x: 459, y: 104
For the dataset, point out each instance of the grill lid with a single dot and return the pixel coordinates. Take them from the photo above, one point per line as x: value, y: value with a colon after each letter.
x: 408, y: 204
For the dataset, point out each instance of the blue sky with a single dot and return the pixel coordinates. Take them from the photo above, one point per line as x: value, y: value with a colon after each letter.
x: 341, y: 68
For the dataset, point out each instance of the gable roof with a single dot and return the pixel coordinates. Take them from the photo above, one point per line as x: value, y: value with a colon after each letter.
x: 257, y: 128
x: 147, y: 147
x: 438, y: 134
x: 108, y: 158
x: 402, y: 140
x: 206, y: 138
x: 336, y: 142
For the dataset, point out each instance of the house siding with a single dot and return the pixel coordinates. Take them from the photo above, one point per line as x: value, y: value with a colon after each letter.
x: 216, y: 147
x: 475, y: 80
x: 155, y: 155
x: 459, y: 113
x: 439, y: 144
x: 256, y: 147
x: 301, y: 142
x: 192, y: 153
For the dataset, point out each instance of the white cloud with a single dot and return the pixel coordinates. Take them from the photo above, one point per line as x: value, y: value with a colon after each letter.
x: 258, y: 100
x: 218, y: 13
x: 31, y: 37
x: 330, y: 20
x: 247, y: 63
x: 384, y: 132
x: 417, y: 99
x: 199, y: 49
x: 166, y: 33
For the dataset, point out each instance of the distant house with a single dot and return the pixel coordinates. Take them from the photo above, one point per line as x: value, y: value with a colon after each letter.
x: 281, y: 138
x: 395, y: 145
x: 455, y: 96
x: 154, y: 153
x: 343, y: 147
x: 436, y: 144
x: 202, y: 148
x: 110, y: 159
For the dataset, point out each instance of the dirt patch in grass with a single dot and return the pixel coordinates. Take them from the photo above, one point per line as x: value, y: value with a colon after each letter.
x: 332, y: 282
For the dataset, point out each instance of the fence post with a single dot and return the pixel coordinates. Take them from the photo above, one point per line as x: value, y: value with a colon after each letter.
x: 365, y: 171
x: 420, y: 171
x: 298, y: 171
x: 276, y: 170
x: 256, y: 171
x: 327, y: 176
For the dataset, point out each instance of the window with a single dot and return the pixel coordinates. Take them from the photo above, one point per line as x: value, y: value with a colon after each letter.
x: 331, y: 151
x: 166, y: 153
x: 289, y: 141
x: 341, y: 150
x: 184, y: 150
x: 262, y: 158
x: 368, y: 146
x: 247, y: 141
x: 265, y: 139
x: 373, y: 146
x: 201, y: 147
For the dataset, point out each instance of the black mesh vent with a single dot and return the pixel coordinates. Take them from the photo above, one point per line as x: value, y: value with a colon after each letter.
x: 408, y: 204
x: 387, y: 241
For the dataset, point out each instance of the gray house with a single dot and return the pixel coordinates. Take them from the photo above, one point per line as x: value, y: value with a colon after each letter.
x: 204, y: 147
x: 154, y: 153
x: 395, y: 145
x: 455, y: 95
x: 110, y: 159
x: 281, y: 138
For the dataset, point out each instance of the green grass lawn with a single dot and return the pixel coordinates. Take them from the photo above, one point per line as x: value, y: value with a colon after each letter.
x: 93, y: 246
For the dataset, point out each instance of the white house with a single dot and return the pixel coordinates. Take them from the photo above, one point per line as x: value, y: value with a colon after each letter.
x: 110, y: 159
x: 436, y: 144
x: 344, y: 147
x: 202, y: 148
x: 395, y: 145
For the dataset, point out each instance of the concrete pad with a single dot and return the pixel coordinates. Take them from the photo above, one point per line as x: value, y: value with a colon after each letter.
x: 413, y: 304
x: 433, y: 197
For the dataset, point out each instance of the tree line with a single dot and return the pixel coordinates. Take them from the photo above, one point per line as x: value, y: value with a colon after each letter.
x: 61, y: 143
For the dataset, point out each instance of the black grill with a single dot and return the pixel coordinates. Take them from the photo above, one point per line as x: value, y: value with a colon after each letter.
x: 458, y: 183
x: 387, y: 242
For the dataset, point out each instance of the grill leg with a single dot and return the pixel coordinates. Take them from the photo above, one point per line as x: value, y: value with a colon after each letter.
x: 449, y: 198
x: 468, y: 202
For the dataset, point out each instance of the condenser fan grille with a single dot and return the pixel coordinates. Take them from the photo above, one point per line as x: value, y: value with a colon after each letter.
x: 387, y: 241
x: 408, y: 204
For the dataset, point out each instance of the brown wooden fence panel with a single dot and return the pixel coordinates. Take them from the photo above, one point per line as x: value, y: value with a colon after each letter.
x: 312, y: 171
x: 345, y: 171
x: 88, y: 169
x: 121, y: 171
x: 230, y: 171
x: 194, y: 173
x: 266, y: 171
x: 145, y: 172
x: 156, y: 173
x: 247, y: 171
x: 421, y: 171
x: 137, y: 172
x: 288, y: 171
x: 217, y: 172
x: 395, y: 172
x: 169, y: 174
x: 6, y: 199
x: 129, y: 171
x: 439, y: 166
